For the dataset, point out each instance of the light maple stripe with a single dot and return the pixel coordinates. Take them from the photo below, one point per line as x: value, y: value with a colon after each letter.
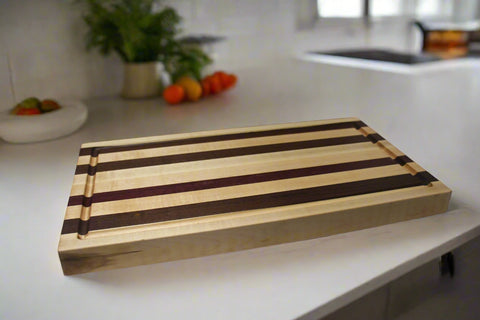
x: 201, y: 155
x: 74, y: 203
x: 229, y: 144
x: 265, y: 215
x: 238, y: 191
x: 264, y: 130
x: 233, y: 134
x: 79, y: 179
x: 255, y: 202
x: 225, y: 167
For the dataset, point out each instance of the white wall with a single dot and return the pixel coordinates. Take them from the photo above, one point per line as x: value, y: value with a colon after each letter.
x: 42, y: 53
x: 42, y: 50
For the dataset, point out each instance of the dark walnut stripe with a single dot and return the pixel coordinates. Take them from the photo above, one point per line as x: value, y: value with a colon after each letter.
x: 71, y: 226
x: 375, y: 137
x: 227, y: 181
x: 403, y: 160
x: 426, y: 177
x: 83, y: 226
x: 221, y: 153
x: 224, y: 137
x: 247, y: 203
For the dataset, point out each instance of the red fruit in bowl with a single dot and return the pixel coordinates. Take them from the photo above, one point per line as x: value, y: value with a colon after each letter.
x: 48, y: 105
x: 27, y: 111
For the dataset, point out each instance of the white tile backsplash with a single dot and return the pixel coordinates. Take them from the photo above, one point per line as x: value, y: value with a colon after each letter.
x: 185, y: 8
x: 44, y: 42
x: 238, y: 26
x: 46, y: 50
x: 6, y: 88
x: 197, y: 26
x: 6, y: 93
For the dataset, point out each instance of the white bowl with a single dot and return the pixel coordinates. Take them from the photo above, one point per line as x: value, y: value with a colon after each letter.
x: 47, y: 126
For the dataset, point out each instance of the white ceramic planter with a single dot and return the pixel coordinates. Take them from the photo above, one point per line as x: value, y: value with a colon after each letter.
x: 141, y: 80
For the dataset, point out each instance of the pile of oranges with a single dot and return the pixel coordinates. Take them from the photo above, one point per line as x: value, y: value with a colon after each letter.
x: 187, y: 88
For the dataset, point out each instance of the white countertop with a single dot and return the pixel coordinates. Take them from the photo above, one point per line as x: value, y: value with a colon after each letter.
x: 434, y: 117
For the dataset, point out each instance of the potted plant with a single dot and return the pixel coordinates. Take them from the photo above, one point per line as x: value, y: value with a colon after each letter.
x: 141, y: 36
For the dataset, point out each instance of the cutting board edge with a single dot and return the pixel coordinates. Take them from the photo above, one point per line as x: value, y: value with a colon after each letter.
x: 141, y: 252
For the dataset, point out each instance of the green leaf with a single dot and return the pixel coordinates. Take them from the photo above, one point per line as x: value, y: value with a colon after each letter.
x: 138, y: 34
x: 183, y: 60
x: 130, y: 28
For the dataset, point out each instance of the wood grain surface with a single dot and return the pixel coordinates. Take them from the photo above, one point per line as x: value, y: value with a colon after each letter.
x: 172, y: 197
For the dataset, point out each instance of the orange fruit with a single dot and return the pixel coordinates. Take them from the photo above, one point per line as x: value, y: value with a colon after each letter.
x: 192, y: 88
x: 174, y: 94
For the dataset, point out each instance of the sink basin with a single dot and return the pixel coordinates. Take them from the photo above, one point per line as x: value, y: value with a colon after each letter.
x: 382, y: 55
x: 386, y: 60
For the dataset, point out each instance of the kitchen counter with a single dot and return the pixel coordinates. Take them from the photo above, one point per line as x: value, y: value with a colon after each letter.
x: 433, y: 116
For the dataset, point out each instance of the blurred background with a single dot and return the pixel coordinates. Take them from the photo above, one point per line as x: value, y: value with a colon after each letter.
x: 42, y: 47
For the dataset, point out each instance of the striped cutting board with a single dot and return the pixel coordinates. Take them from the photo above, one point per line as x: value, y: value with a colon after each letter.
x: 171, y: 197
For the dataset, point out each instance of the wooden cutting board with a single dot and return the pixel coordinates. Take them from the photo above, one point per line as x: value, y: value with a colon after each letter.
x: 154, y: 199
